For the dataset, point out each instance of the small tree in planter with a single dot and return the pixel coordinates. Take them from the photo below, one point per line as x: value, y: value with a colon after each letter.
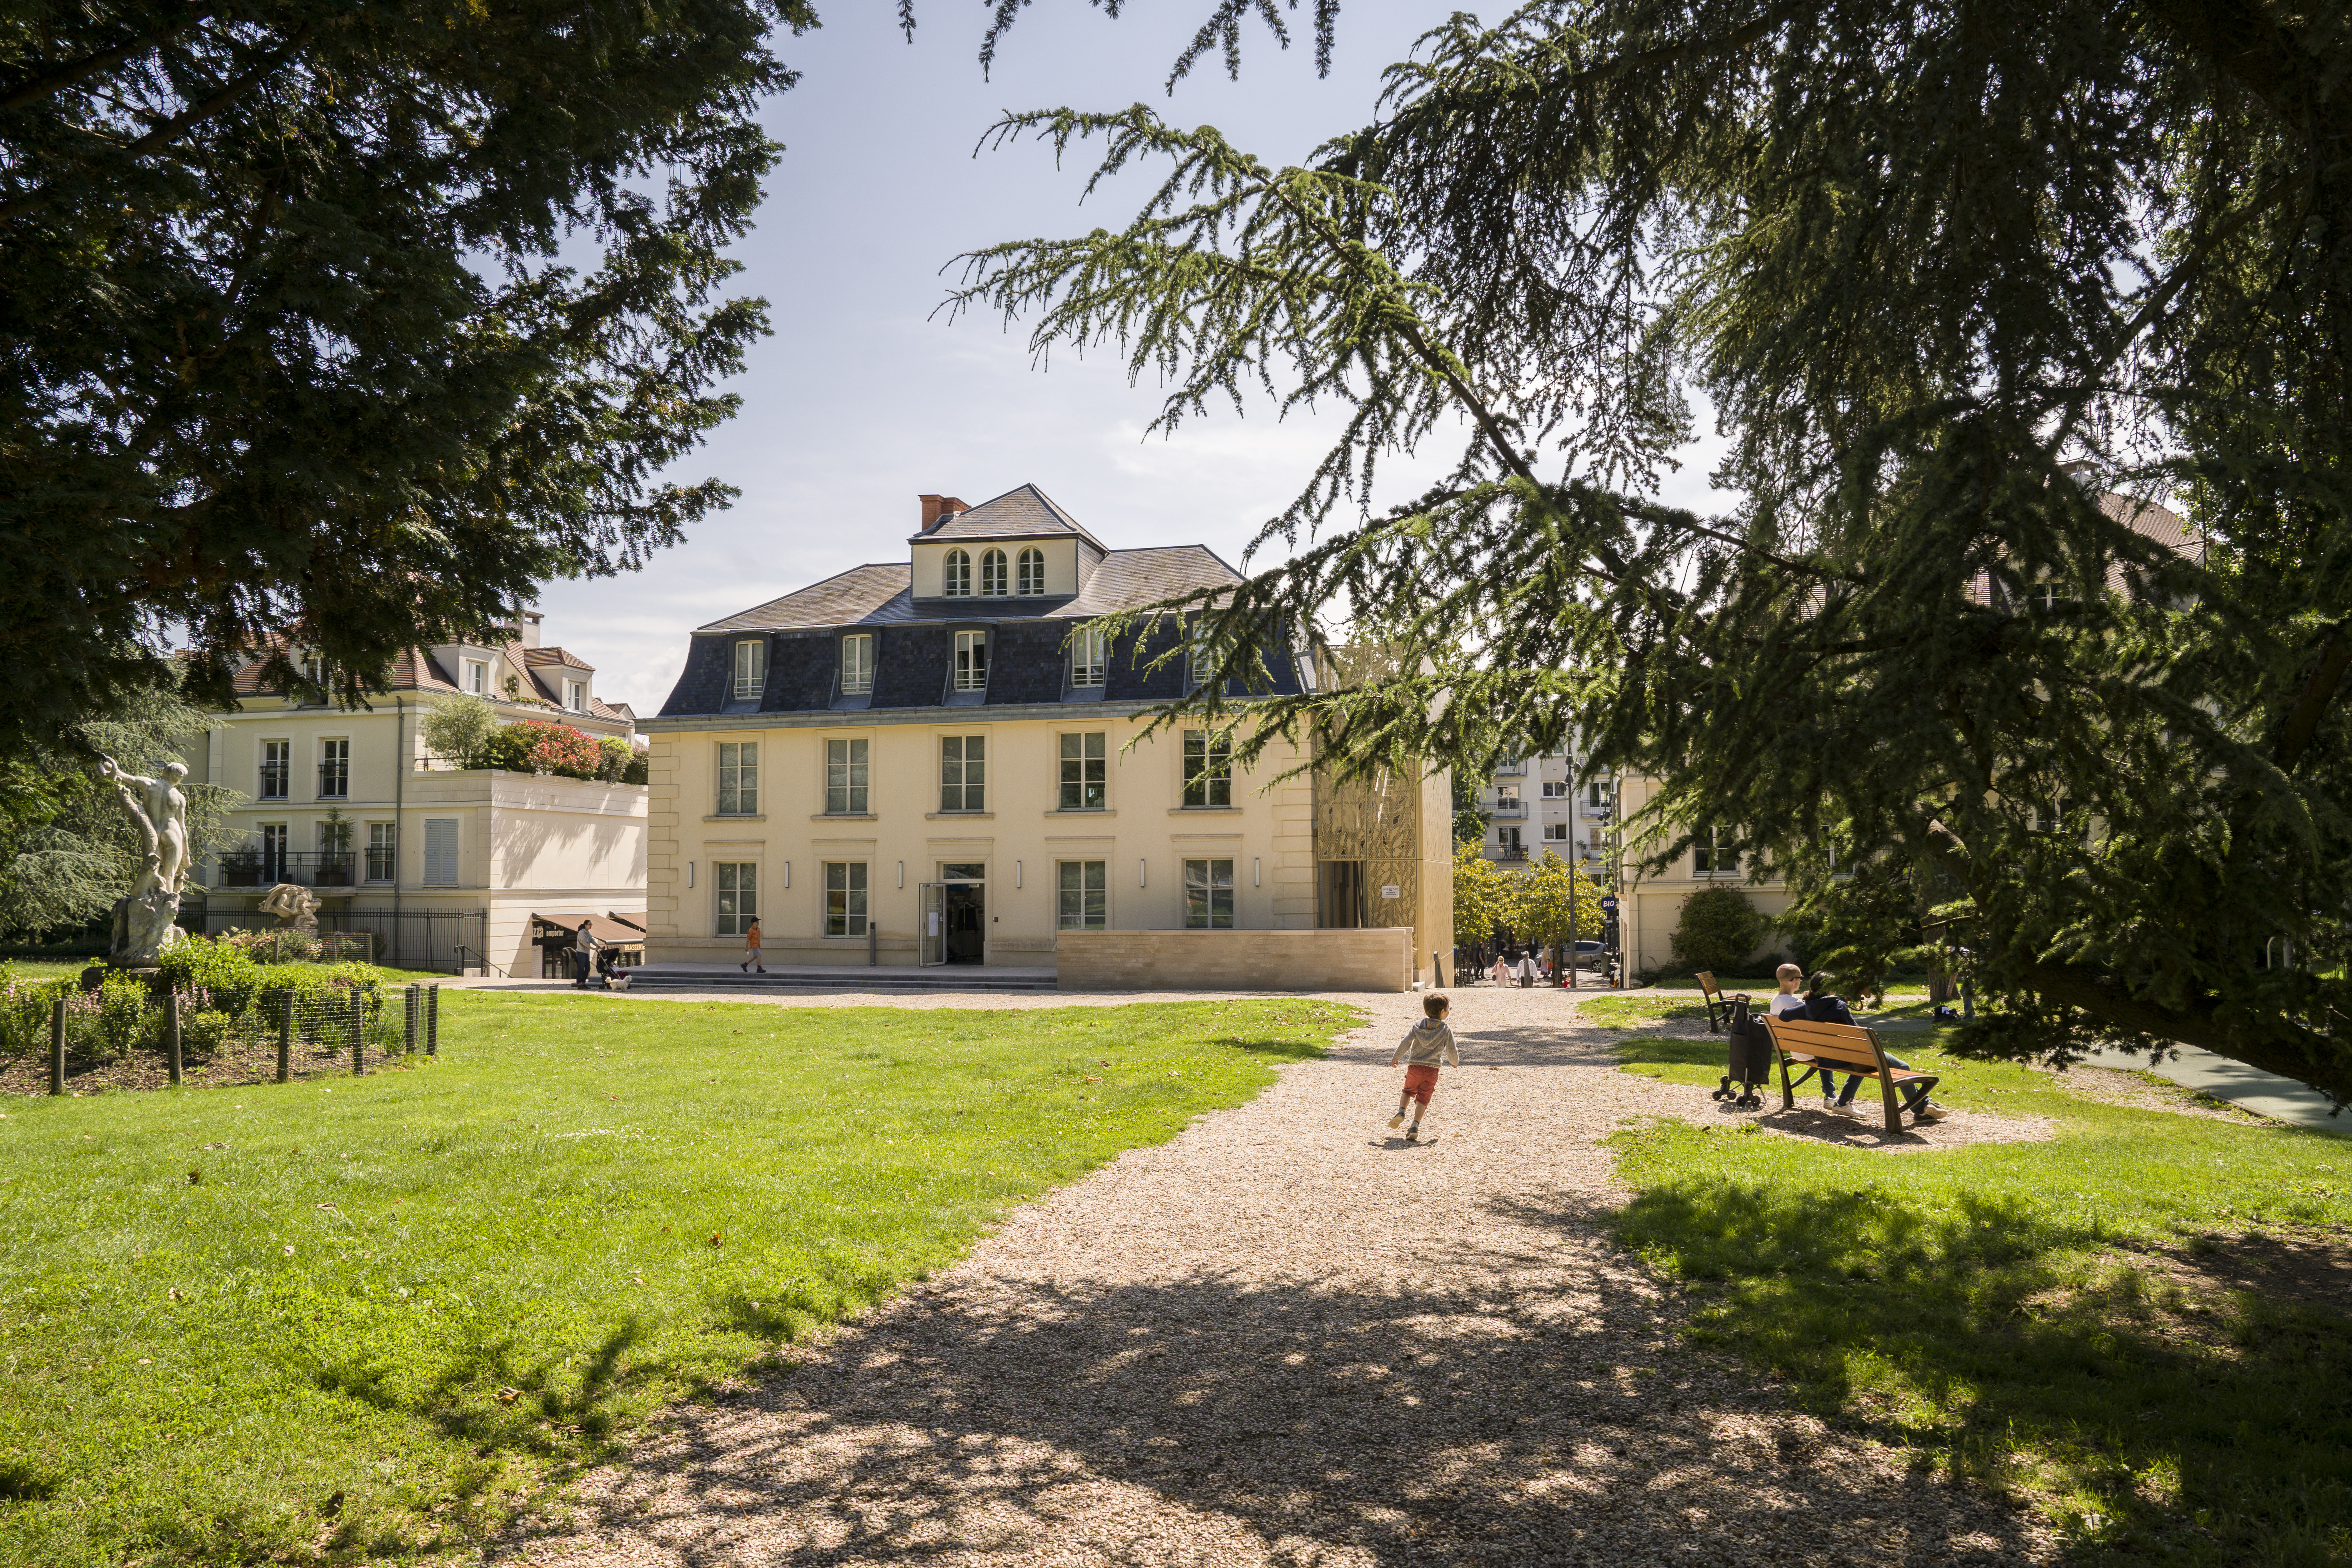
x: 561, y: 748
x: 457, y: 728
x: 335, y: 849
x: 1718, y: 931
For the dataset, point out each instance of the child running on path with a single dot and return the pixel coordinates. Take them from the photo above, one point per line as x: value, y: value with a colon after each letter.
x: 1423, y: 1047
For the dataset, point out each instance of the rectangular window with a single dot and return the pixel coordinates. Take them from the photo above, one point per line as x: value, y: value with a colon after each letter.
x: 1209, y: 894
x: 1712, y: 854
x: 1085, y: 771
x: 1554, y: 789
x: 1506, y: 798
x: 738, y: 778
x: 1208, y: 769
x: 736, y: 885
x: 441, y: 851
x: 1506, y: 844
x: 1596, y: 793
x: 382, y: 846
x: 273, y: 852
x: 575, y: 696
x: 277, y: 766
x: 750, y: 669
x: 845, y: 897
x: 972, y: 661
x: 1083, y: 902
x: 844, y: 778
x: 477, y: 677
x: 1555, y: 830
x: 1089, y: 651
x: 857, y: 664
x: 334, y: 770
x: 963, y: 773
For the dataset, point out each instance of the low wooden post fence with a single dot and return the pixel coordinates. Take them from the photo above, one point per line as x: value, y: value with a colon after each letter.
x: 410, y: 1001
x: 358, y: 1010
x: 286, y: 1038
x: 172, y: 1038
x: 58, y: 1047
x: 433, y: 1022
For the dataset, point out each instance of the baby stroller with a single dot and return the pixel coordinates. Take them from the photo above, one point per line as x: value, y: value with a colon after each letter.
x: 1751, y: 1059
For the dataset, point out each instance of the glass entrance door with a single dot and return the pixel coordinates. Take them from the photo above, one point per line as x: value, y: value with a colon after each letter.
x: 964, y: 900
x: 932, y: 928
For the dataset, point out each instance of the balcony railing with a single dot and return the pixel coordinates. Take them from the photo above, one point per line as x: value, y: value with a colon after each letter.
x: 273, y: 780
x: 1516, y: 808
x: 334, y: 781
x: 304, y: 868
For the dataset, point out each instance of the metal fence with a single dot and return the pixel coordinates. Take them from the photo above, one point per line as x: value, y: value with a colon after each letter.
x: 398, y: 938
x: 115, y: 1040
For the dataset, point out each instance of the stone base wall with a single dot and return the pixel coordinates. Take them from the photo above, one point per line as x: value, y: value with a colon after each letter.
x: 1374, y: 959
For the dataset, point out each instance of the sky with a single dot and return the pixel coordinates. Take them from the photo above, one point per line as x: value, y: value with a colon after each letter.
x: 864, y: 396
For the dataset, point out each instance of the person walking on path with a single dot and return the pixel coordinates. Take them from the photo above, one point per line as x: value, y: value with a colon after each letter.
x: 583, y: 953
x: 1527, y: 968
x: 751, y: 948
x: 1424, y: 1046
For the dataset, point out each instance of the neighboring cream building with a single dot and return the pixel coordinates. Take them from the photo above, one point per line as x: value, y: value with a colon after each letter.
x: 447, y: 868
x: 929, y: 762
x: 1650, y: 903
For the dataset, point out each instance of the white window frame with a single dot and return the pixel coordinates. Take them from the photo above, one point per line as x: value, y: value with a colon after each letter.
x: 963, y: 773
x: 1202, y: 890
x: 1213, y: 779
x: 857, y: 664
x: 1711, y: 848
x: 735, y: 882
x: 1029, y: 572
x: 477, y: 675
x: 326, y: 746
x: 738, y: 779
x: 847, y: 781
x: 285, y: 760
x: 1087, y: 768
x: 972, y: 661
x: 1090, y: 658
x: 575, y: 696
x: 955, y: 574
x: 847, y: 905
x: 1086, y: 905
x: 1555, y: 832
x: 995, y: 577
x: 751, y: 668
x: 383, y: 850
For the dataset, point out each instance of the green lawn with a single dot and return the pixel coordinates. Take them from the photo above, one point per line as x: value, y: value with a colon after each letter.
x: 2062, y: 1320
x: 364, y: 1319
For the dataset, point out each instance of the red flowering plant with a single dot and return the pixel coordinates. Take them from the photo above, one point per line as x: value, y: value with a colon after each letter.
x: 560, y: 749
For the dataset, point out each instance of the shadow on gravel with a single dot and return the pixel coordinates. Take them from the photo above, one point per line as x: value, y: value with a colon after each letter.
x: 1522, y: 1406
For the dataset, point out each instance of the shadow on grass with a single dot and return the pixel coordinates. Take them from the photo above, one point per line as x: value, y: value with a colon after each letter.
x: 2016, y: 1343
x: 1284, y: 1050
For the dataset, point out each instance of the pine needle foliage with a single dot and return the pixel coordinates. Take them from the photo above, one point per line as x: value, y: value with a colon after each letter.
x: 1922, y: 259
x: 353, y: 322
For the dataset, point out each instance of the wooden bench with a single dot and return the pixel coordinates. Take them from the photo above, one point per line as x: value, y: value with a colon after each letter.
x: 1825, y: 1048
x: 1719, y: 1006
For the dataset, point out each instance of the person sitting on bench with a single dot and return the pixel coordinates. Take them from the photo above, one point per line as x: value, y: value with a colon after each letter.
x: 1823, y: 1006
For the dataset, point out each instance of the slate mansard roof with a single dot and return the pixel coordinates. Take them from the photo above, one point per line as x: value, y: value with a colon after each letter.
x: 915, y: 641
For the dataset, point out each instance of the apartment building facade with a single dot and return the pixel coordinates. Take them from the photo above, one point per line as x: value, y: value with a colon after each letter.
x: 937, y: 761
x: 448, y: 868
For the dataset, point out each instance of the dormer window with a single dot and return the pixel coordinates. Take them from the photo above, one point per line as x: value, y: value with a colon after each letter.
x: 575, y: 696
x: 1029, y: 573
x: 991, y: 574
x: 955, y: 574
x: 477, y: 677
x: 857, y: 664
x: 972, y: 661
x: 751, y: 668
x: 1089, y: 656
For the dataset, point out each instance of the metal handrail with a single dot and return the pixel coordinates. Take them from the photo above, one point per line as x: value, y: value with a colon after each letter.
x: 481, y: 960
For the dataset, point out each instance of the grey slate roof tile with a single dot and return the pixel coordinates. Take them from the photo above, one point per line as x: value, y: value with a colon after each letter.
x: 1025, y: 510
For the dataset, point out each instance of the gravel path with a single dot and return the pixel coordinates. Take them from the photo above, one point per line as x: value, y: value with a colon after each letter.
x: 1287, y: 1337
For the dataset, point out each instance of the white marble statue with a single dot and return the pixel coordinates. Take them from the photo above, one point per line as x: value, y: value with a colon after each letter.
x: 144, y: 922
x: 294, y: 904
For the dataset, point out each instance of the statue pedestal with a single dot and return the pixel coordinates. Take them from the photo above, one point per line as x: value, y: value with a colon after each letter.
x: 146, y: 923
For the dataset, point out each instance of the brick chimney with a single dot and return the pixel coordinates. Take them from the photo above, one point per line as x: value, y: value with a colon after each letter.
x: 937, y: 510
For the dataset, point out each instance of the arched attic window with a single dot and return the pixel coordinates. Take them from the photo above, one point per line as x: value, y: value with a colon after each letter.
x: 955, y: 574
x: 1029, y: 572
x: 991, y: 574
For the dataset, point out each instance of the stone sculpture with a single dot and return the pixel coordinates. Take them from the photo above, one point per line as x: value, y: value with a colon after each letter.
x: 297, y: 905
x: 146, y: 920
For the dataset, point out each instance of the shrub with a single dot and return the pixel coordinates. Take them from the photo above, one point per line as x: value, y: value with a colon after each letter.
x: 614, y: 756
x: 560, y: 749
x: 636, y: 772
x: 1718, y: 930
x: 507, y: 747
x: 204, y: 1033
x: 219, y: 966
x: 25, y: 1012
x: 457, y: 727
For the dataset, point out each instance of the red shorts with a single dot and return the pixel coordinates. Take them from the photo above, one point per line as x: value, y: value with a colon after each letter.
x: 1419, y: 1082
